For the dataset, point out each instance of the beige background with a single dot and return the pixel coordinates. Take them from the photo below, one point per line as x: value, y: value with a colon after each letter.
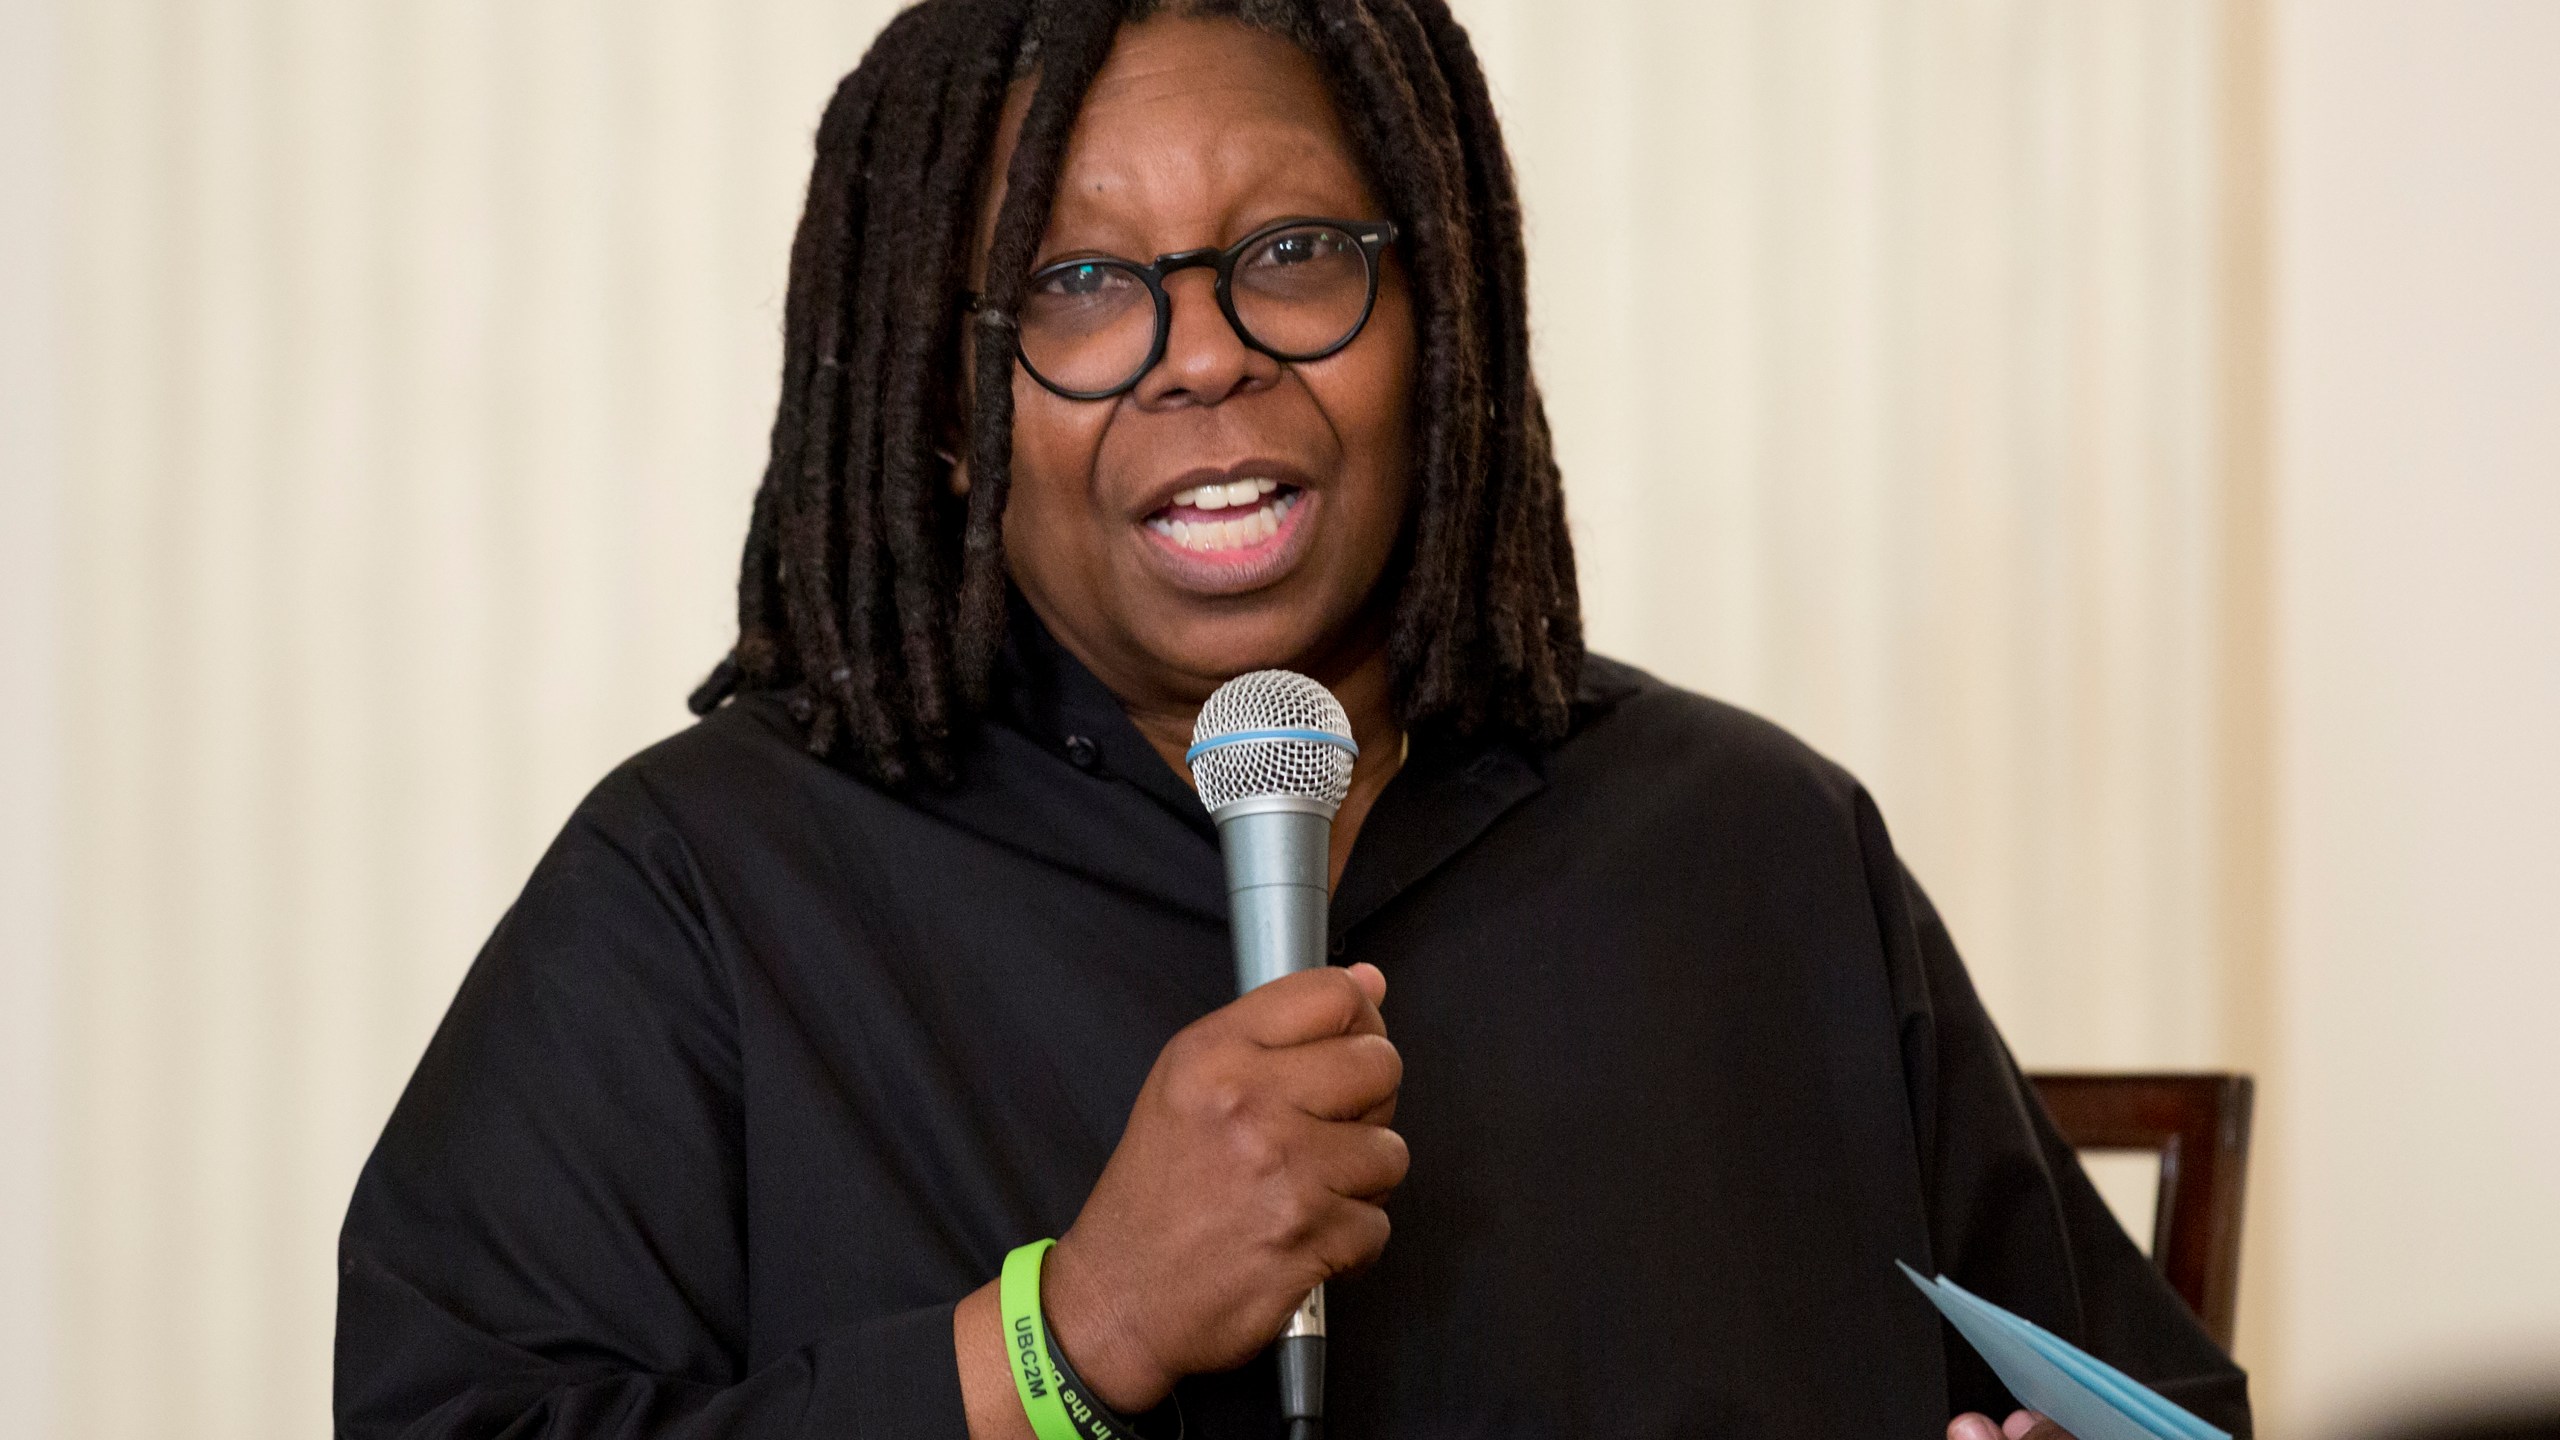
x: 2418, y: 405
x: 2124, y: 431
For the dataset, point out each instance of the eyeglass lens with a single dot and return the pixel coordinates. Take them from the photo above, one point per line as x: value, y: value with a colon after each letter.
x: 1091, y: 325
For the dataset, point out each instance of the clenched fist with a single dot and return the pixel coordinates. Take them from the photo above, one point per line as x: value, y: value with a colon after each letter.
x: 1254, y: 1167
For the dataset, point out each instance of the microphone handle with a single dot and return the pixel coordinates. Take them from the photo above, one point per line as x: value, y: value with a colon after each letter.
x: 1278, y: 849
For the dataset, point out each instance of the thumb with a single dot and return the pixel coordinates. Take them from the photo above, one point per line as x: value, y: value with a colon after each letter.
x: 1371, y: 980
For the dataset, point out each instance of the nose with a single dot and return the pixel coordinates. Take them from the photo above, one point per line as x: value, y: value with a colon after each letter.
x: 1205, y: 361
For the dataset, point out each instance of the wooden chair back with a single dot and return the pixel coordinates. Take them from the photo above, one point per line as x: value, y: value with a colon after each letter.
x: 2198, y: 1124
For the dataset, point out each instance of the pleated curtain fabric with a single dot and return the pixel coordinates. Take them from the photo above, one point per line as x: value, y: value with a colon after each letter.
x: 414, y: 361
x: 1884, y: 345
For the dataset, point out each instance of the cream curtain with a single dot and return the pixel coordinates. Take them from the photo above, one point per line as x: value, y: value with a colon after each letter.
x: 1884, y: 348
x: 414, y: 359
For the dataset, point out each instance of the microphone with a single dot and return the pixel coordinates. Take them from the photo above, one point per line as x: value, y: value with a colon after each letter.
x: 1271, y: 754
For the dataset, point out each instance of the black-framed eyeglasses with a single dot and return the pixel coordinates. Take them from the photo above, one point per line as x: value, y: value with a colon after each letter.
x: 1297, y: 290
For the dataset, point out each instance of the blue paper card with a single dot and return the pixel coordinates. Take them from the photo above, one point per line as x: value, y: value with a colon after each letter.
x: 2057, y: 1379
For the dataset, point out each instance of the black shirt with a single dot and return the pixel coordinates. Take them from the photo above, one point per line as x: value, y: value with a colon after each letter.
x: 767, y: 1068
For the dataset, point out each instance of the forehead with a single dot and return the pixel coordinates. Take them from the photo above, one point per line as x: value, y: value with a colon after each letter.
x: 1195, y: 128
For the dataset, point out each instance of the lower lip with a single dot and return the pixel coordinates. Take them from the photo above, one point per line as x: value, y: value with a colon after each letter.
x: 1233, y: 572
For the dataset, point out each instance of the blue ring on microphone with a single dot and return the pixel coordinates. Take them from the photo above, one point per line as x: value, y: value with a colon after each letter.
x: 1320, y: 737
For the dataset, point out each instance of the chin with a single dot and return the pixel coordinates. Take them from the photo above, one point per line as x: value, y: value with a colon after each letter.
x: 1222, y: 646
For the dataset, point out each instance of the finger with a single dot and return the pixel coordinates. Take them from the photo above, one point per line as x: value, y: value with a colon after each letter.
x: 1353, y: 1235
x: 2028, y: 1425
x: 1972, y: 1427
x: 1382, y: 1113
x: 1344, y: 1077
x: 1310, y: 1005
x: 1355, y: 1161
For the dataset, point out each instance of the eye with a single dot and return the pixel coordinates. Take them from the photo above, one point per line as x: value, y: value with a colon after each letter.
x: 1301, y: 247
x: 1085, y: 282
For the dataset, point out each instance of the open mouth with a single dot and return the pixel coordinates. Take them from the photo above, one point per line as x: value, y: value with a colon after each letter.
x: 1235, y: 517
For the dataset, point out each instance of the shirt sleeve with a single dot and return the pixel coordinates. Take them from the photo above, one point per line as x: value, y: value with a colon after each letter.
x: 548, y: 1241
x: 2012, y: 1216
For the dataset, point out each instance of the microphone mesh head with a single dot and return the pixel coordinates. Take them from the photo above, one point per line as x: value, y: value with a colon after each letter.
x: 1252, y: 769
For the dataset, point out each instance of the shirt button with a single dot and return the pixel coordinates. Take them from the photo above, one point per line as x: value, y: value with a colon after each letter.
x: 1341, y: 944
x: 1083, y: 753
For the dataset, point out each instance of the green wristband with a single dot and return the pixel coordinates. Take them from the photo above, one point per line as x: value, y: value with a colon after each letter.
x: 1026, y: 1343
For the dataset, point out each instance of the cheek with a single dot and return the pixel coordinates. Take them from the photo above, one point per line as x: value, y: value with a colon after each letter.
x: 1054, y: 445
x: 1371, y: 400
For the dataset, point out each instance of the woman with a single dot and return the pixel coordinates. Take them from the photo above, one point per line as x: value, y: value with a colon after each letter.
x: 1127, y: 352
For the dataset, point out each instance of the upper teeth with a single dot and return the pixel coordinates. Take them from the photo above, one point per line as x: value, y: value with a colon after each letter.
x: 1219, y: 497
x: 1255, y: 526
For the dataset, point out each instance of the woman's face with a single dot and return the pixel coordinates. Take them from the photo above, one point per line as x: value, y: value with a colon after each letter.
x: 1195, y: 134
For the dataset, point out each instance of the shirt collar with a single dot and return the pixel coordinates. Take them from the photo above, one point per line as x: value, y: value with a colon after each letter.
x: 1066, y: 710
x: 1449, y: 792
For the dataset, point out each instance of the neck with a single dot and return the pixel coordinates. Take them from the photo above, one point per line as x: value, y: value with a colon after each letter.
x: 1359, y: 679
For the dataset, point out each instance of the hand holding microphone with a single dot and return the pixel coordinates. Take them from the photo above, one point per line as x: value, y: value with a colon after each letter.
x: 1253, y: 1167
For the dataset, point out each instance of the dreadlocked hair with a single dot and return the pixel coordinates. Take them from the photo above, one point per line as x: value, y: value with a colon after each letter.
x: 874, y: 599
